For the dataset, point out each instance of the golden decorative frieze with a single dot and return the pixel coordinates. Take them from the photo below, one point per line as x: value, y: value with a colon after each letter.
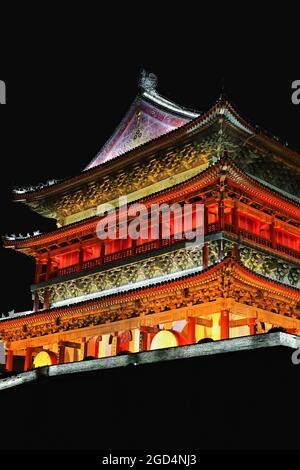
x: 159, y: 168
x: 270, y: 266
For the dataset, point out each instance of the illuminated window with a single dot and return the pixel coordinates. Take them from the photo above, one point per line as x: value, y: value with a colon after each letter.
x: 68, y: 259
x: 287, y: 240
x: 91, y: 252
x: 248, y: 223
x: 113, y: 246
x: 212, y: 214
x: 228, y: 216
x: 265, y: 230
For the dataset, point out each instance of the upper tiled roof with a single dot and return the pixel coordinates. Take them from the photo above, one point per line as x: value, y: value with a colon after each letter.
x: 150, y: 116
x: 152, y: 123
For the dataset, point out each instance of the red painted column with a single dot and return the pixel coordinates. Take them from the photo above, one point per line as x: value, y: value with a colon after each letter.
x: 80, y: 260
x: 9, y: 360
x: 96, y: 351
x: 133, y: 247
x: 205, y: 255
x: 221, y: 214
x: 46, y: 300
x: 273, y: 235
x: 236, y: 252
x: 251, y: 324
x: 38, y: 270
x: 28, y: 359
x: 36, y: 303
x: 224, y: 324
x: 160, y: 229
x: 61, y: 353
x: 151, y: 338
x: 84, y: 347
x: 102, y: 250
x: 235, y: 217
x: 205, y: 220
x: 48, y: 267
x: 192, y: 330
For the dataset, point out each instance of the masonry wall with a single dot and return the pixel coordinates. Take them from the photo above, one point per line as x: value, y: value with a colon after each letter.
x: 235, y: 400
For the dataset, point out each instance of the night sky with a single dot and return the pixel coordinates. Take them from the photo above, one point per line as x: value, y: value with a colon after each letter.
x: 70, y: 83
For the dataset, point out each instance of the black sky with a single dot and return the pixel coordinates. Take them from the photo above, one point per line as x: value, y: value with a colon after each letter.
x: 69, y: 83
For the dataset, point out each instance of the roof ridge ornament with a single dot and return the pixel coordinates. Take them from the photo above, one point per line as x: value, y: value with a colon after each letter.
x: 13, y: 236
x: 148, y: 81
x: 222, y: 96
x: 32, y: 188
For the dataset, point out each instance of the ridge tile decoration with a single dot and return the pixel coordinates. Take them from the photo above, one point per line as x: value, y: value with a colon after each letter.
x: 95, y: 298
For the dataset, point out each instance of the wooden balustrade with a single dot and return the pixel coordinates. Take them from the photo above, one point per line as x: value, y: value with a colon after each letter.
x: 92, y: 263
x: 288, y: 251
x: 172, y: 240
x: 255, y: 238
x: 230, y: 228
x: 212, y: 228
x: 157, y: 244
x: 149, y: 246
x: 118, y: 255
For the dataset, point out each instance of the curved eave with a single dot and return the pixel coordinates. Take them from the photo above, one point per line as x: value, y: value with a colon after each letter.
x: 203, y: 123
x: 167, y: 105
x: 221, y: 108
x: 228, y: 266
x: 158, y: 104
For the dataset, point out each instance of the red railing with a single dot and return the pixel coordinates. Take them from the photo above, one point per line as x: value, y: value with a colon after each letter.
x: 64, y: 271
x: 172, y: 240
x: 229, y: 228
x: 92, y: 263
x: 255, y: 238
x: 288, y: 251
x: 119, y: 255
x: 149, y: 246
x: 212, y: 228
x: 156, y: 244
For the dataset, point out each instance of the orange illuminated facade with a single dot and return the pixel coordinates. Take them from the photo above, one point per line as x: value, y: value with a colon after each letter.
x: 97, y: 298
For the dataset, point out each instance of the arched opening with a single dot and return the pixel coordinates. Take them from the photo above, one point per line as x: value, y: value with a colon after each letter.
x: 45, y: 358
x: 167, y: 339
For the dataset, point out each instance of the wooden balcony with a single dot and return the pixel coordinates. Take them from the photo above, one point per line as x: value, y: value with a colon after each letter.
x: 172, y: 240
x: 288, y: 251
x: 255, y: 238
x: 92, y: 263
x: 229, y: 228
x: 64, y: 271
x: 213, y: 228
x: 117, y: 256
x: 157, y: 244
x: 123, y: 254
